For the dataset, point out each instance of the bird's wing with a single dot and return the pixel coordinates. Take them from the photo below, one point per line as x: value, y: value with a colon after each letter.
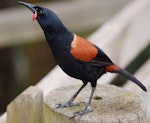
x: 83, y: 50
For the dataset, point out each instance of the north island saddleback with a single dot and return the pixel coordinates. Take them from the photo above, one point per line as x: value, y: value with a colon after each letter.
x: 76, y: 56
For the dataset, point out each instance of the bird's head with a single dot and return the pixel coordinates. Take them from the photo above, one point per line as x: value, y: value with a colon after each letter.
x: 45, y: 17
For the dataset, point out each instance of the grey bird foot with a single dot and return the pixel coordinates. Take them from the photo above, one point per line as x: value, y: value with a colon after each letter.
x: 69, y: 104
x: 83, y: 112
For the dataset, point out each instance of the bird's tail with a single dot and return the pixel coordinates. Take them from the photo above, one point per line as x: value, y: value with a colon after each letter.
x: 117, y: 69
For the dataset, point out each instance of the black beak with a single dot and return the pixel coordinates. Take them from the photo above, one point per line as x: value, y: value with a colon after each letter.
x: 30, y: 6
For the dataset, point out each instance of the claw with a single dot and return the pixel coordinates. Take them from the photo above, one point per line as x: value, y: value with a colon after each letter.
x: 82, y: 112
x: 69, y: 104
x: 59, y: 106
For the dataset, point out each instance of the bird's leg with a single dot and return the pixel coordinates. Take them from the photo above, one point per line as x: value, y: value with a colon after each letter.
x: 87, y: 108
x: 70, y: 102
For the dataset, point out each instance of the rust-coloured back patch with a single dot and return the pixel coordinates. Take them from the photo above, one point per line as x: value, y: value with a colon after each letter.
x: 82, y: 49
x: 112, y: 68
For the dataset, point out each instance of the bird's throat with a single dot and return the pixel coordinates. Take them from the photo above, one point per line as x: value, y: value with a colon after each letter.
x: 34, y: 17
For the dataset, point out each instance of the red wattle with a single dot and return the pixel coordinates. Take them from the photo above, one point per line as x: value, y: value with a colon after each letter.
x: 34, y: 17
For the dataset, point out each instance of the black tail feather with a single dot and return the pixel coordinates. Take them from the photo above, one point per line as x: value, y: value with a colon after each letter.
x: 130, y: 77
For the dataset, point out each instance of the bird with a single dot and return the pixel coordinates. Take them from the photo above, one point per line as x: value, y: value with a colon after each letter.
x: 76, y: 56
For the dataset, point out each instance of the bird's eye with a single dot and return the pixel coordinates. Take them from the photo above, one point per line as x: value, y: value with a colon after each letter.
x: 39, y: 11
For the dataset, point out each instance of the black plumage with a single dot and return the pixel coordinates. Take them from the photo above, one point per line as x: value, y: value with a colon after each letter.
x: 77, y: 57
